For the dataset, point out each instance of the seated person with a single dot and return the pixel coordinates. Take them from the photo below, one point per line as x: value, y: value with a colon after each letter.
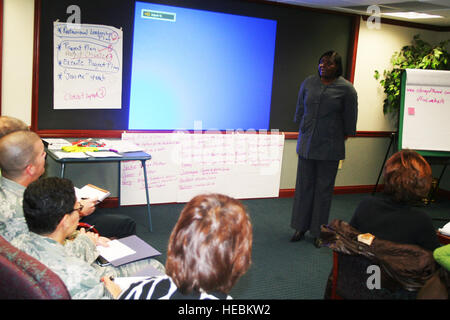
x: 49, y: 228
x: 52, y: 214
x: 407, y: 178
x: 209, y: 249
x: 11, y: 124
x: 22, y: 161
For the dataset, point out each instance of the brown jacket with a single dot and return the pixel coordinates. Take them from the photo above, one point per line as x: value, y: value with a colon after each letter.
x: 402, y: 265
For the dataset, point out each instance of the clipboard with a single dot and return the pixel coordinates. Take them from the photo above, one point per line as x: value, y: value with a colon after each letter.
x: 141, y: 249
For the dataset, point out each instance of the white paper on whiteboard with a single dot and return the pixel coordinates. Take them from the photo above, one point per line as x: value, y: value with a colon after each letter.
x: 162, y: 170
x: 87, y: 66
x: 426, y: 110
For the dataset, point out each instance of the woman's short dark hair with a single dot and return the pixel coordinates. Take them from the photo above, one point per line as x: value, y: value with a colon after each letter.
x: 210, y: 245
x: 46, y: 201
x: 336, y: 57
x: 407, y: 176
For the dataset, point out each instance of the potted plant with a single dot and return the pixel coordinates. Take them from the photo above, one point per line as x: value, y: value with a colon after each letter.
x: 419, y: 55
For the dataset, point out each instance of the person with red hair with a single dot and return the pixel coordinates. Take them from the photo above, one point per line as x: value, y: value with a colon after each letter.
x: 407, y: 178
x: 209, y: 250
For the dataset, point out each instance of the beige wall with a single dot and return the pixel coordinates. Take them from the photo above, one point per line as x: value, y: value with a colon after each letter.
x: 375, y: 49
x: 364, y: 155
x: 17, y: 64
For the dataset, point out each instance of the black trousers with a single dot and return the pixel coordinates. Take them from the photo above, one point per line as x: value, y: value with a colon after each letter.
x: 111, y: 225
x: 313, y: 192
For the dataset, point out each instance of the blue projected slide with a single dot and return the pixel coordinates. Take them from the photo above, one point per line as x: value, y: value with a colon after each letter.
x: 192, y: 65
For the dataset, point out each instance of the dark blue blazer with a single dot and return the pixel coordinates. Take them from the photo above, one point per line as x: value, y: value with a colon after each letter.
x: 326, y: 114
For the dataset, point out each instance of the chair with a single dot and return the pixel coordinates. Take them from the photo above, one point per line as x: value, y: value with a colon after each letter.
x: 443, y: 239
x: 402, y: 270
x: 24, y: 277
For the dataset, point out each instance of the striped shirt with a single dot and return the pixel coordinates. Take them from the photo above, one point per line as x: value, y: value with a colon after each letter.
x: 163, y: 287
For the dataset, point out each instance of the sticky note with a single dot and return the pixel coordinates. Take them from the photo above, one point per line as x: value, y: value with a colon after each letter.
x: 411, y: 111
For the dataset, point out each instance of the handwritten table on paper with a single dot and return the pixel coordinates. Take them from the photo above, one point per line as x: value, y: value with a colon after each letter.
x: 184, y: 165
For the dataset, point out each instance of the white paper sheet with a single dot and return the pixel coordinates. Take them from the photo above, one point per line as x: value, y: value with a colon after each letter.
x: 115, y: 250
x: 87, y: 67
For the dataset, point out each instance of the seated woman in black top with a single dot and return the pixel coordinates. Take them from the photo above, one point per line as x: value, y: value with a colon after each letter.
x: 209, y: 250
x: 407, y: 178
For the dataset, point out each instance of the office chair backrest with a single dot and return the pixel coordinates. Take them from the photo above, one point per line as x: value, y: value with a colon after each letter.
x: 24, y: 277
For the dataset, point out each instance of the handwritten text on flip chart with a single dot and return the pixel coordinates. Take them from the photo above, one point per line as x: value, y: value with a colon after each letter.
x: 184, y: 165
x: 87, y: 66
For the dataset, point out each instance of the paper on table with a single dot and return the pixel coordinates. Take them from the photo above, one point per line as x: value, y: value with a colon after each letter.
x: 121, y: 146
x: 115, y: 250
x: 103, y: 154
x: 67, y: 155
x: 56, y: 141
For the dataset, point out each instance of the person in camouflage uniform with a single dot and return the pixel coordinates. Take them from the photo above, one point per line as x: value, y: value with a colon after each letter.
x: 111, y: 225
x: 12, y: 222
x: 22, y: 159
x: 52, y: 213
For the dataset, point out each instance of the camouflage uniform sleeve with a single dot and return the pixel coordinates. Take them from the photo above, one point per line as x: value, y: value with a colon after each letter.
x: 84, y: 282
x: 82, y: 247
x: 13, y: 227
x: 10, y: 205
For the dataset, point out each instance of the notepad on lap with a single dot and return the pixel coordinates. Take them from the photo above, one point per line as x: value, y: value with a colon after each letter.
x: 90, y: 191
x: 130, y: 249
x: 115, y: 250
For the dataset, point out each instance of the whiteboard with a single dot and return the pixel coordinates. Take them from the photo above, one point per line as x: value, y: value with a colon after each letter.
x: 183, y: 165
x: 426, y: 110
x: 87, y: 72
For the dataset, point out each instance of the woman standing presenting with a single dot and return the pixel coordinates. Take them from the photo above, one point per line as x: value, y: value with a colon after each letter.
x: 327, y: 110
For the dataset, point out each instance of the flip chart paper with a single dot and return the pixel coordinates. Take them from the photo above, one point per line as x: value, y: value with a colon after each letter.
x: 87, y: 66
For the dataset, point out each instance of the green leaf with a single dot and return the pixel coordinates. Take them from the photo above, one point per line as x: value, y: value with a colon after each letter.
x: 420, y: 54
x: 376, y: 75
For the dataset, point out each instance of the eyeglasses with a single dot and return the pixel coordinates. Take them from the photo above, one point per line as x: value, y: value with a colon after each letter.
x: 79, y: 209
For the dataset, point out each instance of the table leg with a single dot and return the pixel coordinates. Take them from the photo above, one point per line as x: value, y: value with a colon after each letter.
x: 147, y: 196
x: 62, y: 169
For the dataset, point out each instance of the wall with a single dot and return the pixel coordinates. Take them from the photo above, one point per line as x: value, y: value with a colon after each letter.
x: 17, y: 64
x: 364, y: 155
x: 375, y: 49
